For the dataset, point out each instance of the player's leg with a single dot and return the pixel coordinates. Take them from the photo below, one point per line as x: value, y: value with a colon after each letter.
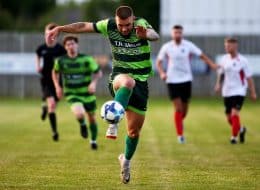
x: 123, y: 85
x: 134, y: 124
x: 237, y: 102
x: 228, y: 107
x: 185, y: 95
x: 235, y: 120
x: 93, y: 129
x: 78, y: 110
x: 52, y: 117
x: 135, y: 116
x: 90, y: 108
x: 44, y: 109
x: 121, y: 89
x: 185, y: 106
x: 229, y: 120
x: 176, y: 96
x: 178, y: 118
x: 44, y: 104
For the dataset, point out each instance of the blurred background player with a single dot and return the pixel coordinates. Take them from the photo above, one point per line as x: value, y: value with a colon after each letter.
x: 178, y: 76
x: 46, y: 53
x: 236, y: 76
x: 129, y: 38
x: 79, y: 87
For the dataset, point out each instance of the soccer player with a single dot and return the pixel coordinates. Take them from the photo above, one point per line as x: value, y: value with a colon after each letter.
x: 80, y: 74
x: 46, y: 53
x: 178, y: 76
x: 129, y: 38
x: 236, y: 77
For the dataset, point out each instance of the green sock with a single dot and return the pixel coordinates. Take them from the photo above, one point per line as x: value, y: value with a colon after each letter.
x: 131, y: 144
x: 82, y: 122
x: 122, y: 95
x: 94, y: 131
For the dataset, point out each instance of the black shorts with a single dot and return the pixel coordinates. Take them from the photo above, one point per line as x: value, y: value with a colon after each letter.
x: 48, y: 88
x: 233, y: 102
x: 180, y: 90
x: 139, y: 98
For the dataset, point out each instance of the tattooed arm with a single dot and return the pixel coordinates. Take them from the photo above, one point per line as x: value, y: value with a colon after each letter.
x: 148, y: 34
x: 78, y: 27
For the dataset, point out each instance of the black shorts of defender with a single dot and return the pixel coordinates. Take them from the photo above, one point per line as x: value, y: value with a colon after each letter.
x: 180, y: 90
x: 233, y: 102
x: 139, y: 97
x: 48, y: 89
x: 88, y: 106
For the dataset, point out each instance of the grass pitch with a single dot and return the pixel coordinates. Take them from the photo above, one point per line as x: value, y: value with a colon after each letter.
x: 29, y: 159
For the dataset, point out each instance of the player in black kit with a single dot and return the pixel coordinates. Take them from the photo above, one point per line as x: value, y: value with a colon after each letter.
x: 47, y: 53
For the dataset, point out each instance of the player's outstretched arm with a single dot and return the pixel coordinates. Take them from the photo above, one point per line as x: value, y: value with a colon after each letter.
x: 209, y: 62
x: 251, y: 87
x: 78, y: 27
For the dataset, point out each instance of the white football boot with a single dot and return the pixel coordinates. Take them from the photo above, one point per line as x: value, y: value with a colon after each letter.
x: 112, y: 131
x: 125, y: 169
x: 181, y: 139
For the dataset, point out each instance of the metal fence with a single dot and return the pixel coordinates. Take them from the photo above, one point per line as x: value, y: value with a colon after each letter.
x: 94, y: 44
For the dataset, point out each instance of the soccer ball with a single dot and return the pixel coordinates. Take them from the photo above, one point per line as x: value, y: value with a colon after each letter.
x: 112, y: 112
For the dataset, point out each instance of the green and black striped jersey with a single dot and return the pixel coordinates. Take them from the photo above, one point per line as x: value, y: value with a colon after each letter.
x: 131, y: 55
x: 76, y: 75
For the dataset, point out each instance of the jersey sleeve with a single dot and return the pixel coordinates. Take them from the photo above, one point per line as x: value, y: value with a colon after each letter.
x: 195, y: 50
x: 94, y: 67
x: 39, y: 51
x: 56, y: 66
x: 142, y: 22
x: 162, y: 53
x: 247, y: 70
x: 101, y: 27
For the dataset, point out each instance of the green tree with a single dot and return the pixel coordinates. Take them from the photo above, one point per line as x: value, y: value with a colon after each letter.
x: 150, y: 10
x: 62, y: 14
x: 23, y: 14
x: 100, y: 9
x: 6, y: 20
x: 28, y: 9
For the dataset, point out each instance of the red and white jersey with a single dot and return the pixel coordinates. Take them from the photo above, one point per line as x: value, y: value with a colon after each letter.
x: 236, y: 72
x: 178, y: 57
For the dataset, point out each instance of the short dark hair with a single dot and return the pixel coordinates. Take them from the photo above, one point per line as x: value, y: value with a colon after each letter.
x: 231, y: 39
x: 50, y: 26
x: 70, y: 37
x: 123, y: 12
x: 177, y: 27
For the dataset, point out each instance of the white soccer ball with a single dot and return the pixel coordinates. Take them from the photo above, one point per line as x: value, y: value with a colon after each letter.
x: 112, y: 112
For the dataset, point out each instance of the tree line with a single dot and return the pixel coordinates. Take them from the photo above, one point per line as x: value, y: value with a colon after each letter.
x: 32, y: 15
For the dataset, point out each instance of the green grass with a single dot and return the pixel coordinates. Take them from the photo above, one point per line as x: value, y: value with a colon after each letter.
x: 29, y: 159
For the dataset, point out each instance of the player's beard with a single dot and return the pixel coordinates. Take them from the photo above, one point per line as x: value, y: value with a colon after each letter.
x: 177, y: 40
